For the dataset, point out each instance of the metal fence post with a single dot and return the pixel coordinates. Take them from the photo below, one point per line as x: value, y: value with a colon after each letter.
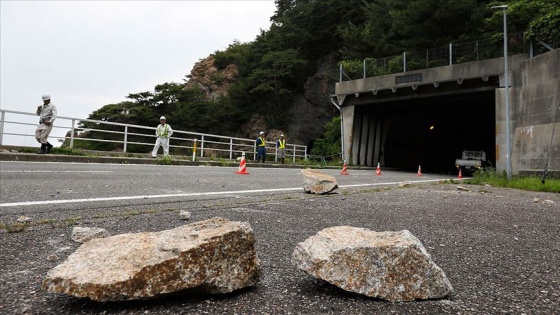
x: 230, y: 149
x: 255, y: 151
x: 340, y: 72
x: 201, y: 145
x: 450, y: 54
x: 404, y: 61
x: 294, y: 155
x: 72, y: 130
x: 2, y: 116
x: 194, y: 150
x: 364, y: 68
x: 125, y: 137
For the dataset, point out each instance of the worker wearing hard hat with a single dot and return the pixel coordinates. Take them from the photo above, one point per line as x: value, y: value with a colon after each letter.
x: 281, y: 148
x: 163, y: 133
x: 47, y: 115
x: 261, y: 147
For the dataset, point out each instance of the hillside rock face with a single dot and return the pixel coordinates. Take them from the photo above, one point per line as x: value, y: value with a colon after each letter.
x: 308, y: 114
x: 214, y: 82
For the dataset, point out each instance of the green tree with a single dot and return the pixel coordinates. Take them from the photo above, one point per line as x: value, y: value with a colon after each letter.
x: 394, y: 26
x: 536, y: 19
x: 328, y: 145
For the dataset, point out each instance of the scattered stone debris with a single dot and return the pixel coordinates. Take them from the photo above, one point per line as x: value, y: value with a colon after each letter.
x: 184, y: 215
x: 315, y: 182
x: 85, y: 234
x: 214, y: 256
x: 23, y: 219
x: 549, y: 202
x: 405, y: 184
x: 536, y: 200
x: 462, y: 188
x: 393, y: 266
x: 52, y: 257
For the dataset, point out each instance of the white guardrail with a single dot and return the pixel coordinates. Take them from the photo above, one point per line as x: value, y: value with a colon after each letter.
x: 16, y: 125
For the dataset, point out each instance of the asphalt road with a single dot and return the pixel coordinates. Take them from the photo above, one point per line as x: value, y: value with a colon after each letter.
x: 500, y: 248
x: 35, y: 185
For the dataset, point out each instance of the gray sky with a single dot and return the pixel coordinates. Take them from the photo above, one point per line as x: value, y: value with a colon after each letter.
x: 87, y: 54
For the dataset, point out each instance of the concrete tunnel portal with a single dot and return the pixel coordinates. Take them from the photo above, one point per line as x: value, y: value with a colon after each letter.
x: 430, y: 131
x: 429, y: 117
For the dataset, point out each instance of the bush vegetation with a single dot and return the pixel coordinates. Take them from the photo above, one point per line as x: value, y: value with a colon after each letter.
x: 532, y: 183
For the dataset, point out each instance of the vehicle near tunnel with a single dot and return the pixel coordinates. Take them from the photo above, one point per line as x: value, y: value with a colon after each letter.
x: 471, y: 161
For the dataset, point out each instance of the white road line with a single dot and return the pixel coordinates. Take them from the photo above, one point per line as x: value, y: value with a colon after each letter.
x: 25, y: 171
x: 212, y: 193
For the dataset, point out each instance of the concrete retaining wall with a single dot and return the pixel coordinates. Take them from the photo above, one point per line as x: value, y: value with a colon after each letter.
x: 536, y: 115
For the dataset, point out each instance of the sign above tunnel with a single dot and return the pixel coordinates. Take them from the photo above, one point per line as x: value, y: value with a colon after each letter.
x: 415, y: 77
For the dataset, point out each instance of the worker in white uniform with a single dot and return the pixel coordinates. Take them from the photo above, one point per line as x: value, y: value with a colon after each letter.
x: 47, y: 115
x: 163, y: 133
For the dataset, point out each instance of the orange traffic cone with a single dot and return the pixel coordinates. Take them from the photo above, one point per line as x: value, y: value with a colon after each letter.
x: 378, y: 171
x: 460, y: 174
x: 242, y: 166
x: 344, y: 169
x: 419, y: 171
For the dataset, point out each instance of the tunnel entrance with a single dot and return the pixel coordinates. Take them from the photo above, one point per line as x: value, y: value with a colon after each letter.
x: 434, y: 131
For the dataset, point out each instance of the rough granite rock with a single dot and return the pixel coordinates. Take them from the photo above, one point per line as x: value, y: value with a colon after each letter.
x: 184, y: 215
x: 214, y: 256
x: 316, y: 182
x: 83, y: 234
x: 393, y: 266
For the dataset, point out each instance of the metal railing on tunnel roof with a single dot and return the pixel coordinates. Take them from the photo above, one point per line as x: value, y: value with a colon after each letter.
x: 134, y: 139
x: 430, y: 58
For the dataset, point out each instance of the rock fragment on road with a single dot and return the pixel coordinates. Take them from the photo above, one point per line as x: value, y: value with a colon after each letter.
x: 215, y: 256
x: 318, y: 183
x: 84, y: 234
x: 393, y: 266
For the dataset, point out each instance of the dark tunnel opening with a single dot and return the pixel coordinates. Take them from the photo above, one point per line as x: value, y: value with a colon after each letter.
x: 433, y: 132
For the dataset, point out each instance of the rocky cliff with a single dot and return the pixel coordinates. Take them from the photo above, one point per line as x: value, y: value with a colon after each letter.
x: 308, y: 114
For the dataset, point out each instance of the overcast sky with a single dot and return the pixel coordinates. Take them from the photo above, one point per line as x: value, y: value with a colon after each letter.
x: 87, y: 54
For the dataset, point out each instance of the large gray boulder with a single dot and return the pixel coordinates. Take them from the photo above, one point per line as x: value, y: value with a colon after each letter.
x: 315, y: 182
x: 393, y: 266
x: 214, y: 256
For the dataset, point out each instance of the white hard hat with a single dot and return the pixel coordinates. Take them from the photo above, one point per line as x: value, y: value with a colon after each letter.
x: 162, y: 118
x: 46, y: 97
x: 261, y: 133
x: 281, y: 135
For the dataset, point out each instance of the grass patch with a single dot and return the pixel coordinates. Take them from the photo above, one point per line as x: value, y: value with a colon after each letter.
x: 151, y: 211
x: 15, y: 227
x: 531, y: 183
x: 224, y: 162
x: 372, y: 190
x: 45, y: 221
x: 165, y: 160
x: 67, y: 151
x: 65, y: 222
x: 29, y: 150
